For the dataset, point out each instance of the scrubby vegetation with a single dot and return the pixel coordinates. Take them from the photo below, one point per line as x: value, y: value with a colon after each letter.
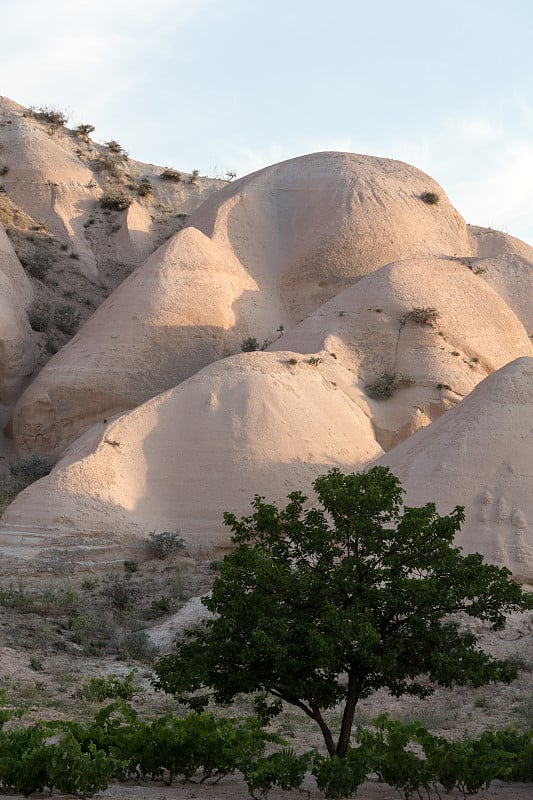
x: 422, y: 315
x: 161, y: 545
x: 309, y: 599
x: 430, y: 198
x: 67, y: 318
x: 84, y: 130
x: 82, y: 758
x: 170, y: 174
x: 54, y: 116
x: 115, y: 200
x: 387, y: 384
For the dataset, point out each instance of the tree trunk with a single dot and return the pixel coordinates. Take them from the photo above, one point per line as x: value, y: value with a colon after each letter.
x: 326, y: 733
x: 347, y: 718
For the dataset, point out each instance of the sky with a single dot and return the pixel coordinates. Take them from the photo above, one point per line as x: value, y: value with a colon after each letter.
x: 219, y: 85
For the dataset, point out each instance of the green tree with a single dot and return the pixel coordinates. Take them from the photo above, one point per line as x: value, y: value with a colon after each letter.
x: 323, y: 606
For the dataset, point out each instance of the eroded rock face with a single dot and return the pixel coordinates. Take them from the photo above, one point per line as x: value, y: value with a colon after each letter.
x: 57, y: 177
x: 432, y: 321
x: 479, y: 455
x: 253, y: 423
x: 262, y: 253
x: 17, y: 348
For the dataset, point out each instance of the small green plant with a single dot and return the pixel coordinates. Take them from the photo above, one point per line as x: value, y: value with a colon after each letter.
x: 54, y: 116
x: 250, y: 344
x: 422, y: 315
x: 117, y: 149
x: 170, y: 174
x: 110, y: 688
x: 38, y: 264
x: 431, y: 198
x: 67, y: 319
x: 131, y: 567
x: 138, y: 646
x: 194, y: 176
x: 292, y: 361
x: 89, y: 584
x: 479, y: 270
x: 103, y: 163
x: 314, y: 361
x: 161, y: 606
x: 83, y: 130
x: 387, y: 384
x: 39, y: 318
x: 145, y: 188
x: 120, y: 593
x: 115, y: 200
x: 161, y: 545
x: 36, y: 663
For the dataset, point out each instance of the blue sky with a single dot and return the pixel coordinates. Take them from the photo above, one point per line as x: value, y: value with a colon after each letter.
x: 214, y: 85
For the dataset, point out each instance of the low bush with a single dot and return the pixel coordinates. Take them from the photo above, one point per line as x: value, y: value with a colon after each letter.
x: 145, y: 188
x: 120, y: 593
x: 422, y: 315
x: 115, y: 200
x: 431, y: 198
x: 84, y: 130
x: 52, y: 115
x: 39, y: 318
x: 138, y: 646
x: 67, y: 319
x: 30, y: 469
x: 161, y: 545
x: 387, y: 384
x: 104, y: 163
x: 117, y: 150
x: 170, y: 174
x: 112, y: 687
x: 38, y: 264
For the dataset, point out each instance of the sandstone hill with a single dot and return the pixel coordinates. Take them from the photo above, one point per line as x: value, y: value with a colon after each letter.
x: 386, y: 324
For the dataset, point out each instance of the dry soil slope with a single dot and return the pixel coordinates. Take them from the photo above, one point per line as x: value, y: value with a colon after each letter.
x: 371, y: 329
x: 58, y: 177
x: 17, y: 347
x: 506, y: 264
x: 252, y: 423
x: 479, y: 455
x: 265, y: 251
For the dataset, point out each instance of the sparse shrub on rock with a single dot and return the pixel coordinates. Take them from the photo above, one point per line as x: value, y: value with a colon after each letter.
x: 115, y: 200
x: 39, y: 318
x: 170, y: 174
x: 161, y: 545
x: 30, y: 469
x: 67, y: 319
x: 84, y: 130
x: 422, y: 315
x: 386, y: 384
x: 54, y: 116
x: 430, y: 198
x: 104, y: 163
x: 117, y: 150
x: 144, y: 188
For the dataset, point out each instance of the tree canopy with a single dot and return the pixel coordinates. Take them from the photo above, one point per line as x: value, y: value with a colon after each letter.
x: 321, y: 606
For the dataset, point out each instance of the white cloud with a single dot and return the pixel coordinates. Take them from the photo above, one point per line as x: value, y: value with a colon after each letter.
x: 480, y: 130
